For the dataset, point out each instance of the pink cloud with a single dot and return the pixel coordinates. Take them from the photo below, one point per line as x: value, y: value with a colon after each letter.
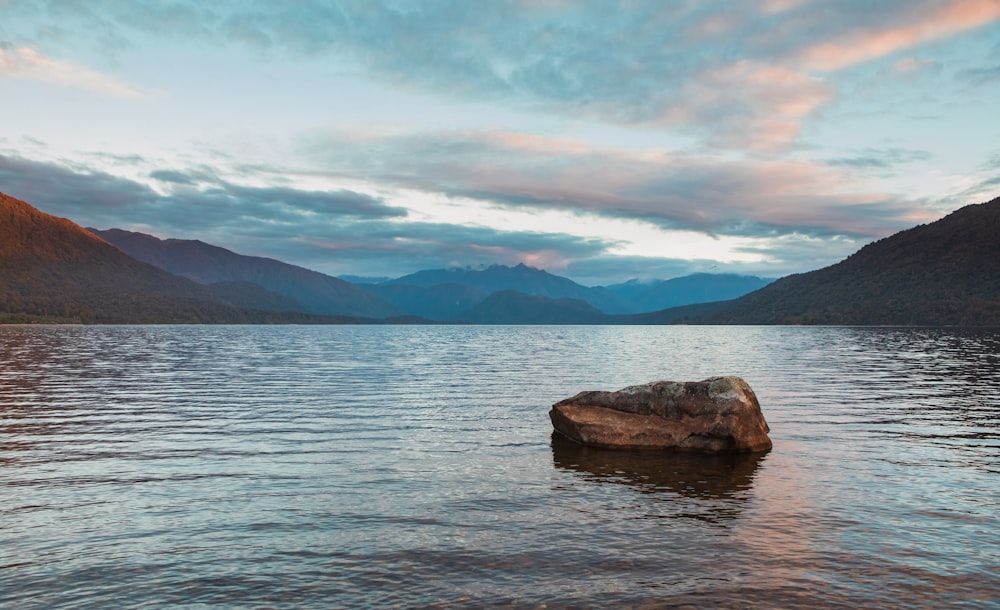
x: 28, y: 64
x: 702, y: 192
x: 714, y: 25
x: 750, y: 104
x: 780, y: 6
x: 761, y: 106
x: 863, y: 44
x: 540, y: 259
x: 535, y: 143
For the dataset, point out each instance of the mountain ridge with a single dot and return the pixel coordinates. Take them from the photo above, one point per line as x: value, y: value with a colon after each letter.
x: 205, y: 263
x: 521, y: 278
x: 656, y: 295
x: 53, y: 269
x: 513, y: 307
x: 946, y: 272
x: 440, y: 295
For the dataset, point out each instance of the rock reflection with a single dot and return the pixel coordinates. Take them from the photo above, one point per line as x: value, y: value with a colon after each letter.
x: 693, y: 475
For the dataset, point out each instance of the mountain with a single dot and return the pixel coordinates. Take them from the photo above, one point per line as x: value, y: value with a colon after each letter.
x: 687, y: 290
x: 364, y: 279
x: 440, y: 302
x: 512, y: 307
x: 51, y: 269
x: 943, y: 273
x: 521, y: 278
x: 695, y: 313
x: 207, y: 264
x: 250, y: 295
x: 631, y: 297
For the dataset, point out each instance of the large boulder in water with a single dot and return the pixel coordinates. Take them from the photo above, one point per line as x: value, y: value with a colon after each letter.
x: 718, y: 414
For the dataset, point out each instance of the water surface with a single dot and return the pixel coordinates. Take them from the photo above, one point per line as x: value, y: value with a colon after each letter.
x: 414, y: 466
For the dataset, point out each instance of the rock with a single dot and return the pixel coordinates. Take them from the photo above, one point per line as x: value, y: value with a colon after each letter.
x: 719, y: 414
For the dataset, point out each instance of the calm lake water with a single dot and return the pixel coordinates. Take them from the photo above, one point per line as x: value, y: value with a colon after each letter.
x: 414, y: 466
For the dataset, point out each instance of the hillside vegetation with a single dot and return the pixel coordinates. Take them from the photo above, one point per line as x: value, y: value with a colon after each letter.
x: 53, y: 270
x: 943, y: 273
x: 312, y: 291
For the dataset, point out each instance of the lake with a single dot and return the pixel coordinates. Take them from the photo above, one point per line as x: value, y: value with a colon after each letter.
x: 415, y: 466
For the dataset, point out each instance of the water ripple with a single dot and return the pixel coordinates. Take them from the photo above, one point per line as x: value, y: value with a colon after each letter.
x: 364, y: 466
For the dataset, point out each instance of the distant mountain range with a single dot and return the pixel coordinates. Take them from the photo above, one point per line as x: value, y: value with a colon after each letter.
x: 444, y: 295
x: 441, y: 302
x: 513, y: 307
x: 521, y: 278
x: 946, y: 272
x: 688, y: 290
x: 207, y: 264
x: 448, y: 294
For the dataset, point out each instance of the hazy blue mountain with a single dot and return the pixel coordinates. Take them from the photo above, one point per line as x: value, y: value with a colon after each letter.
x: 364, y: 280
x: 943, y: 273
x: 512, y: 307
x: 656, y: 295
x: 208, y: 264
x: 521, y: 278
x: 440, y: 302
x: 695, y: 313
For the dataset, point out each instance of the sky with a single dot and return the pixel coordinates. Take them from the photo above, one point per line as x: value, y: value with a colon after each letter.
x: 599, y: 140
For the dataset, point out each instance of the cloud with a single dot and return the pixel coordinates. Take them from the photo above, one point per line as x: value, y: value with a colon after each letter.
x: 747, y: 82
x: 739, y: 75
x: 924, y: 22
x: 334, y: 231
x: 914, y: 64
x: 325, y: 203
x: 70, y: 193
x: 392, y: 249
x: 780, y: 255
x: 981, y: 76
x: 749, y: 104
x: 881, y: 159
x: 342, y: 232
x: 678, y: 191
x: 94, y: 197
x: 177, y: 177
x: 605, y: 270
x: 28, y: 64
x: 980, y: 186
